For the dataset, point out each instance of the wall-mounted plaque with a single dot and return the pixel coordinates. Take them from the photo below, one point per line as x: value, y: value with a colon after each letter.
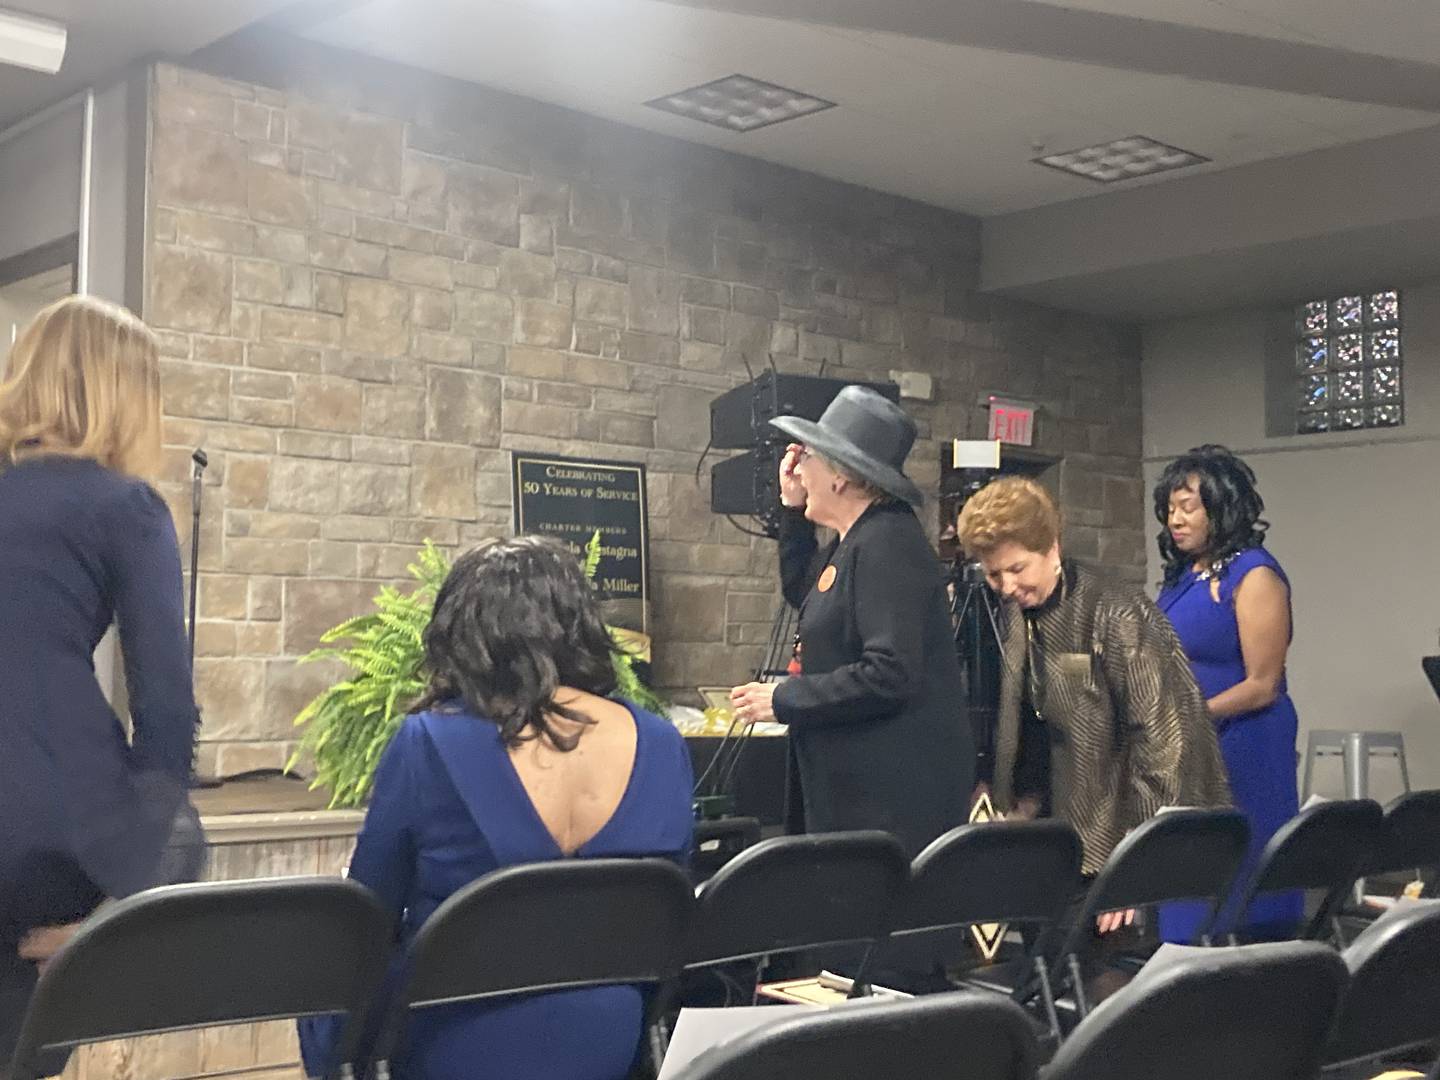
x: 569, y: 498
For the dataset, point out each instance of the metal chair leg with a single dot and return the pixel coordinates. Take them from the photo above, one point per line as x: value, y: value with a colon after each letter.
x: 1309, y: 768
x: 1047, y: 998
x: 1082, y: 1006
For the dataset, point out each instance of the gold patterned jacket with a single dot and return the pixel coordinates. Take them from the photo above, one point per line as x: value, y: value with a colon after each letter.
x: 1128, y: 728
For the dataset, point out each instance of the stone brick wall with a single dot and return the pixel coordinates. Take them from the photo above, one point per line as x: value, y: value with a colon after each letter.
x: 373, y: 285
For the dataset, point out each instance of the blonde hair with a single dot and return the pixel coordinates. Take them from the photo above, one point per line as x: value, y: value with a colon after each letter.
x: 1012, y: 509
x: 84, y: 381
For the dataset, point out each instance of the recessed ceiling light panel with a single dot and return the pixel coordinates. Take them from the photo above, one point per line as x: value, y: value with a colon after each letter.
x: 740, y: 103
x: 1123, y: 159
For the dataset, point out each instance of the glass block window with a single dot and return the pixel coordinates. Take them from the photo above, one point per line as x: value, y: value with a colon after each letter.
x: 1348, y: 363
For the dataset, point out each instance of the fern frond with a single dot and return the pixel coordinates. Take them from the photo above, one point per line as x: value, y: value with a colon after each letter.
x: 592, y: 555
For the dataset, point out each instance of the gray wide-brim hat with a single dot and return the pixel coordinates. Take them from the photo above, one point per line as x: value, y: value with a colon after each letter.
x: 865, y: 434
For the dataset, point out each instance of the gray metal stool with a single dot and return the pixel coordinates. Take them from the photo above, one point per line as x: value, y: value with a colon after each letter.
x: 1356, y: 748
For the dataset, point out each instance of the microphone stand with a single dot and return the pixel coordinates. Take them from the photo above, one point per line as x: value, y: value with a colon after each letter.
x: 197, y: 490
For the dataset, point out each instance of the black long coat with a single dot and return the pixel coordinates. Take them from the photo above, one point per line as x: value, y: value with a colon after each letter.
x: 878, y: 736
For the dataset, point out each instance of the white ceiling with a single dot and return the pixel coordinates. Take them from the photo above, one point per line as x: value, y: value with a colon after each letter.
x: 105, y: 36
x: 944, y: 123
x: 1406, y: 30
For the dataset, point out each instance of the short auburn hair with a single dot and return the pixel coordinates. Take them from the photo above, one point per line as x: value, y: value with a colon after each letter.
x: 1011, y: 509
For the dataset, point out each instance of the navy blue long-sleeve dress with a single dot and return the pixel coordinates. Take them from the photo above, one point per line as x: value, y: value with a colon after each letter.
x: 448, y: 807
x: 84, y: 813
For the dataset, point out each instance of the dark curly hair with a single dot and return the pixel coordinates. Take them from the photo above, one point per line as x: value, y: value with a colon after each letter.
x: 1227, y: 490
x: 514, y: 621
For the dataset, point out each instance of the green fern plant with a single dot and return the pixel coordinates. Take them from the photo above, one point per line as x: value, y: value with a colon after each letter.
x: 349, y: 725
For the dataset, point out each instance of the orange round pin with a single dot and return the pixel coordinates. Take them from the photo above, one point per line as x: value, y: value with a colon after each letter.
x: 827, y: 578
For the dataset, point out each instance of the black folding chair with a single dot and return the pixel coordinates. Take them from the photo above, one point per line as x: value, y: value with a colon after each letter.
x: 1393, y: 1002
x: 189, y: 956
x: 962, y: 1034
x: 558, y: 925
x: 1411, y: 840
x: 1256, y: 1012
x: 1016, y: 873
x: 795, y: 893
x: 1322, y: 848
x: 1177, y: 855
x: 1410, y: 844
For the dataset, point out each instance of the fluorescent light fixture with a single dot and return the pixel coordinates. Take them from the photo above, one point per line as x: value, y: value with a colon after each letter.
x: 740, y: 103
x: 28, y: 42
x: 1123, y: 159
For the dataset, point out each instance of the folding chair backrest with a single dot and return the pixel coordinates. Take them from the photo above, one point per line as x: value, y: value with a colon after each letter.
x: 961, y: 1034
x: 548, y: 926
x: 1324, y: 847
x: 993, y: 872
x: 799, y: 892
x: 188, y: 956
x: 1411, y: 835
x: 1177, y: 855
x: 527, y: 929
x: 1394, y: 996
x: 1257, y: 1012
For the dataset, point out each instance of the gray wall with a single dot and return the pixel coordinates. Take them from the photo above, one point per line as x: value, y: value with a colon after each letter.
x: 1355, y: 519
x: 40, y: 176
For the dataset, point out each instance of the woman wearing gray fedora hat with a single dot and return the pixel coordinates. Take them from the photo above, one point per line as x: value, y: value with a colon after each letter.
x: 877, y: 737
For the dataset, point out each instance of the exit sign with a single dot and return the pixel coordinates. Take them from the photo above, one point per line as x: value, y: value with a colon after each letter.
x: 1012, y: 422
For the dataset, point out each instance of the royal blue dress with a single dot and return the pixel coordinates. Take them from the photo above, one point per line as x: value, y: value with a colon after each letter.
x: 448, y: 807
x: 1258, y: 747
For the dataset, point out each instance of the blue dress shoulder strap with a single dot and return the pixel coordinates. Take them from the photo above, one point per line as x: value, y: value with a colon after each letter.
x: 1250, y: 559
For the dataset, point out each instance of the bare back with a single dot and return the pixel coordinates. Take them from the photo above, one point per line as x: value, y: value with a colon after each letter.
x: 576, y: 792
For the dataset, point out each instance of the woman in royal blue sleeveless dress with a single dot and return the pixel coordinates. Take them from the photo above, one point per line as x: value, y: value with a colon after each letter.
x: 1229, y: 602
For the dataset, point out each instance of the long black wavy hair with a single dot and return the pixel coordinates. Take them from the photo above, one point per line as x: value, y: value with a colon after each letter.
x: 1227, y: 490
x: 515, y: 620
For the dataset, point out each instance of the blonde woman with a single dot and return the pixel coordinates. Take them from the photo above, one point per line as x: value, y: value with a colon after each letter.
x: 84, y: 541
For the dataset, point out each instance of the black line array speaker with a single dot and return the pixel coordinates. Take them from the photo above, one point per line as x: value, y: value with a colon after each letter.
x: 748, y: 484
x: 739, y: 418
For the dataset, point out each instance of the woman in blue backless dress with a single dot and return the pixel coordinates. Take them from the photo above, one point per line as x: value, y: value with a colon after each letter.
x: 519, y: 753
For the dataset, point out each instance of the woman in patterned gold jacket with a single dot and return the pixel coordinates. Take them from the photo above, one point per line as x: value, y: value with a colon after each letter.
x: 1100, y: 721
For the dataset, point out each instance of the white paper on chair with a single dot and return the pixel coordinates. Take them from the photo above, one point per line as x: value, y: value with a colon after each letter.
x: 697, y: 1030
